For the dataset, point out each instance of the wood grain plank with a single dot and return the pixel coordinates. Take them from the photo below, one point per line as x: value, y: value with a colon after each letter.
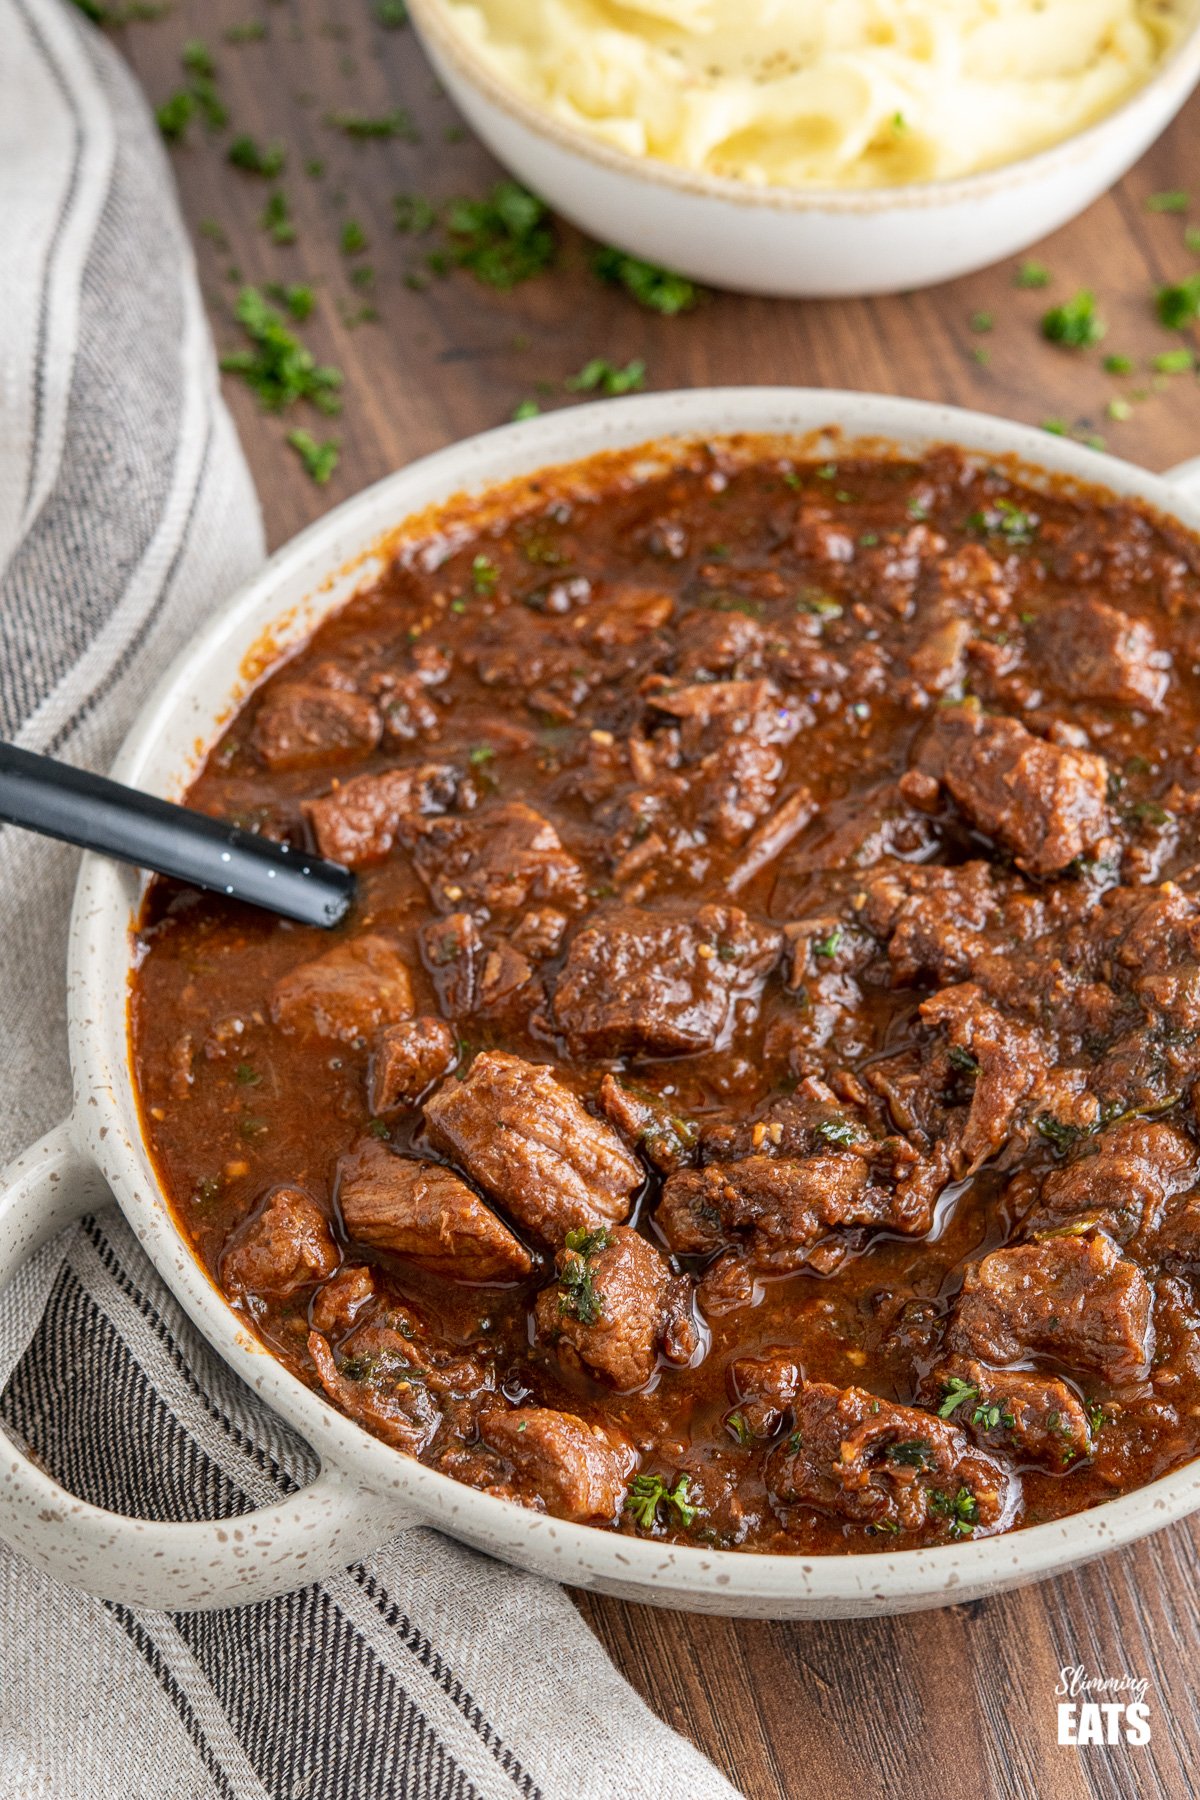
x: 959, y: 1701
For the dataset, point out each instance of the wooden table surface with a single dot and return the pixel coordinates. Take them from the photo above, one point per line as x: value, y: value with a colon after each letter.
x: 959, y: 1701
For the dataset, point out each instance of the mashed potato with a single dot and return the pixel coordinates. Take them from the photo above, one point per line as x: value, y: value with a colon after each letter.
x: 845, y: 93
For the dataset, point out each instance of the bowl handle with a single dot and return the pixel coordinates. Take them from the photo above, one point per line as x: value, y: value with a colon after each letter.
x: 145, y: 1562
x: 1186, y: 477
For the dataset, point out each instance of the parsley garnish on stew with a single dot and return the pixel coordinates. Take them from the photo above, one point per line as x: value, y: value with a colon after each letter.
x: 257, y: 159
x: 961, y: 1509
x: 958, y: 1393
x: 648, y: 1493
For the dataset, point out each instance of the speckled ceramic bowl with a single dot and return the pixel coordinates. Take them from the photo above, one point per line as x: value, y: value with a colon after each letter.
x: 365, y: 1491
x: 803, y: 242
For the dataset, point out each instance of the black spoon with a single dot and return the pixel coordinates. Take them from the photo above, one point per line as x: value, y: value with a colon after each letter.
x: 98, y: 814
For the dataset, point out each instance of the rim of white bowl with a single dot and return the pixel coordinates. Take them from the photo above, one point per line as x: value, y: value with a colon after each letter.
x: 870, y: 1581
x: 1180, y: 67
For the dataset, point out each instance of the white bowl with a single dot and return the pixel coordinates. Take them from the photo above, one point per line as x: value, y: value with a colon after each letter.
x: 366, y: 1491
x: 815, y: 242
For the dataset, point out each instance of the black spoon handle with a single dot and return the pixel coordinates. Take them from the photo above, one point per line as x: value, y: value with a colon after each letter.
x: 98, y: 814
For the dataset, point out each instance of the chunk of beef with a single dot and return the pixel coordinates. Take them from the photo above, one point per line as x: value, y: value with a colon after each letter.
x: 652, y: 984
x: 348, y: 993
x: 408, y: 1059
x: 424, y: 1213
x: 627, y: 617
x: 1075, y: 1299
x: 560, y: 1465
x: 1034, y: 1417
x: 1005, y: 1061
x: 931, y: 918
x: 502, y: 857
x: 710, y: 711
x: 780, y: 1207
x: 1119, y: 1181
x: 540, y: 933
x: 763, y: 1389
x: 380, y: 1377
x: 452, y: 949
x: 301, y: 723
x: 664, y: 1137
x: 1090, y: 651
x: 1045, y: 804
x: 874, y: 1463
x: 285, y: 1246
x: 613, y: 1306
x: 770, y: 839
x: 360, y: 820
x: 345, y: 1296
x: 736, y: 785
x: 714, y: 643
x: 533, y: 1147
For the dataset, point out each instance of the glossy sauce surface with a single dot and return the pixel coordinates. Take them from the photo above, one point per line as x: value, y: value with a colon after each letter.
x: 580, y: 659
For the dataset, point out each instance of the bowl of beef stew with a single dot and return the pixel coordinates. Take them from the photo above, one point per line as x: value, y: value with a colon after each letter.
x: 740, y: 1151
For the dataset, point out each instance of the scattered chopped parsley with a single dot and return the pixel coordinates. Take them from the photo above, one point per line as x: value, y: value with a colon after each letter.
x: 320, y: 460
x: 659, y: 289
x: 830, y: 944
x: 504, y: 238
x: 991, y: 1414
x: 258, y: 159
x: 916, y: 1454
x: 1191, y: 239
x: 197, y: 59
x: 958, y: 1393
x: 176, y: 114
x: 1116, y: 364
x: 962, y: 1060
x: 1174, y: 202
x: 278, y: 367
x: 354, y: 239
x: 1032, y: 274
x: 1178, y: 304
x: 735, y: 1424
x: 983, y: 321
x: 379, y: 1128
x: 413, y: 214
x: 392, y: 14
x: 1005, y: 519
x: 836, y: 1131
x: 252, y: 32
x: 961, y: 1509
x: 479, y: 754
x: 821, y: 605
x: 397, y: 124
x: 525, y: 409
x: 1056, y: 1133
x: 1173, y: 362
x: 578, y: 1295
x: 296, y: 296
x: 1097, y: 1418
x: 1075, y: 323
x: 276, y: 219
x: 1056, y: 427
x: 647, y: 1493
x: 247, y: 1075
x: 603, y: 377
x: 484, y: 575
